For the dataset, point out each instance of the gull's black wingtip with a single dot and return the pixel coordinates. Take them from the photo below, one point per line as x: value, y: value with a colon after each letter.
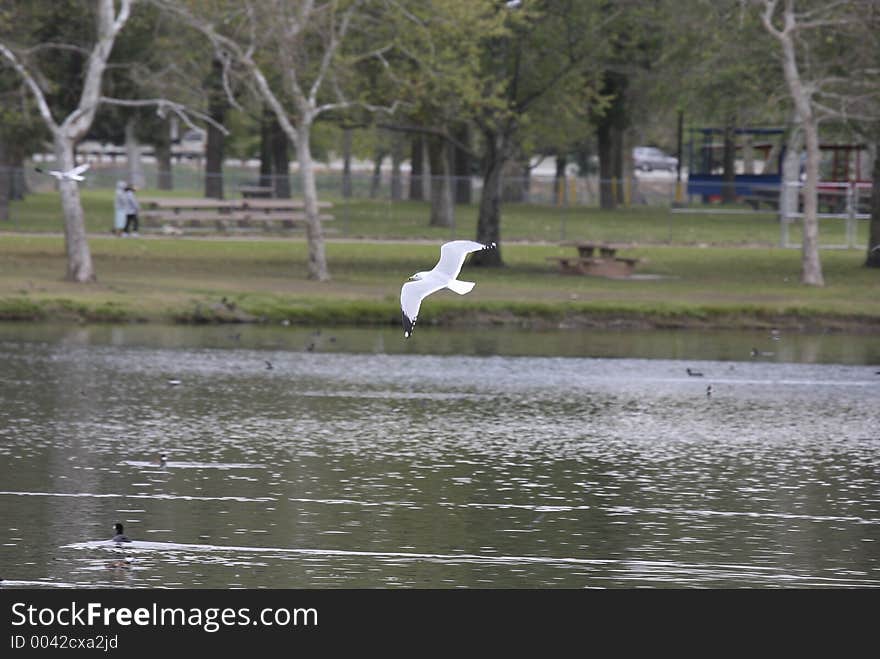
x: 408, y: 326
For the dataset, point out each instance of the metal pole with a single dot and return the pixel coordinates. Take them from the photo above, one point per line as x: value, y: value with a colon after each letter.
x: 679, y: 198
x: 783, y: 214
x: 850, y: 216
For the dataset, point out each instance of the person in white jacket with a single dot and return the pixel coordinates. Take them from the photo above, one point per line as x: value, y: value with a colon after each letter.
x: 119, y: 206
x: 131, y: 208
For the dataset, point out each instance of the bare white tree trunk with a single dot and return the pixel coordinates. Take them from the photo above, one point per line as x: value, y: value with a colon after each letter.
x: 79, y: 257
x: 791, y: 174
x: 314, y: 229
x: 811, y: 266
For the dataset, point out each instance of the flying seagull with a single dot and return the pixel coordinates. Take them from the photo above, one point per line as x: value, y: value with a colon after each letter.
x: 74, y: 174
x: 422, y: 284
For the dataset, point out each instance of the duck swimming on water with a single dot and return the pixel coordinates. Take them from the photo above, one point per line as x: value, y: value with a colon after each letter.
x: 120, y: 535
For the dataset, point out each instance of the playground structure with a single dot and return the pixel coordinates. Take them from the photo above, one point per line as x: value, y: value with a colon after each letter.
x: 761, y: 175
x: 842, y: 171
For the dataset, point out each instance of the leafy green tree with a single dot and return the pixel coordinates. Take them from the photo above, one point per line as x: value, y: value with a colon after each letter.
x: 543, y: 47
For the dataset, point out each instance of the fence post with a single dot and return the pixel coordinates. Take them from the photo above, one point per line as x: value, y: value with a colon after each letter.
x: 679, y: 195
x: 850, y: 216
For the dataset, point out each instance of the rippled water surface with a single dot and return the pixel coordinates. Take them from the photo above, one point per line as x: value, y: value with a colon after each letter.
x: 301, y: 459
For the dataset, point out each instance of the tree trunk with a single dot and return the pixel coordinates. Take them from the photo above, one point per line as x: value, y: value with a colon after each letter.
x: 617, y: 159
x: 416, y: 172
x: 607, y: 198
x: 314, y: 230
x: 18, y: 186
x: 267, y: 123
x: 396, y: 162
x: 811, y: 266
x: 442, y: 214
x: 609, y: 133
x: 280, y: 162
x: 728, y: 176
x: 346, y: 163
x: 560, y: 184
x: 748, y: 154
x: 462, y: 167
x: 791, y: 175
x: 873, y: 258
x: 214, y: 146
x: 79, y: 257
x: 489, y: 219
x: 134, y: 163
x: 162, y: 147
x: 5, y: 182
x: 376, y: 179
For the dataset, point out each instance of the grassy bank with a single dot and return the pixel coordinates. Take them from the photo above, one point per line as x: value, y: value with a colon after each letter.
x: 195, y: 280
x: 381, y: 219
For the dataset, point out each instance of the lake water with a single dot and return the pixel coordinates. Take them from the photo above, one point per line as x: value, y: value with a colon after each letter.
x: 354, y: 458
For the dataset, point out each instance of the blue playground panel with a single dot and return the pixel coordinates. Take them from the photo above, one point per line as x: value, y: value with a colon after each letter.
x: 747, y: 185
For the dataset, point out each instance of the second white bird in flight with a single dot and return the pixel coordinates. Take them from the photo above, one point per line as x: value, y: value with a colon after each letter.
x: 443, y: 275
x: 74, y: 174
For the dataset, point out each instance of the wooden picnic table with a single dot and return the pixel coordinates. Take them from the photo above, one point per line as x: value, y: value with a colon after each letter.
x: 226, y: 214
x: 588, y: 249
x: 179, y: 204
x: 599, y: 259
x: 279, y: 204
x: 251, y: 191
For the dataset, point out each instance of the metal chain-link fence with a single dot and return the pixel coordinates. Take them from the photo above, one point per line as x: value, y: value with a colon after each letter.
x: 646, y: 208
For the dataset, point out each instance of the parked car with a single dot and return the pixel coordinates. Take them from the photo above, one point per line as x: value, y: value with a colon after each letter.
x: 648, y: 158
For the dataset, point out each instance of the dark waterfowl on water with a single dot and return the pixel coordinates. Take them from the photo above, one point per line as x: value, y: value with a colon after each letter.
x: 120, y: 534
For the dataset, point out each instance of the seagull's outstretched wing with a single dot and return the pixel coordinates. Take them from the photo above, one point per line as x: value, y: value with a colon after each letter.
x: 50, y: 172
x: 411, y: 295
x: 452, y: 255
x: 79, y: 169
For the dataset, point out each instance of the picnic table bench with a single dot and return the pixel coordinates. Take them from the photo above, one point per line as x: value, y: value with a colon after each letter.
x: 250, y: 191
x: 598, y: 259
x: 226, y: 214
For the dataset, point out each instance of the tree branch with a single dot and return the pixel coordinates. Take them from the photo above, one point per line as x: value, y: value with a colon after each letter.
x: 330, y: 50
x: 31, y: 83
x: 767, y: 18
x: 425, y: 130
x: 79, y: 121
x: 50, y: 45
x: 163, y: 105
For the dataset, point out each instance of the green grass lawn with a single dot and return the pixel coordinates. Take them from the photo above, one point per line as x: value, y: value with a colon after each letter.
x: 364, y: 218
x: 187, y: 279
